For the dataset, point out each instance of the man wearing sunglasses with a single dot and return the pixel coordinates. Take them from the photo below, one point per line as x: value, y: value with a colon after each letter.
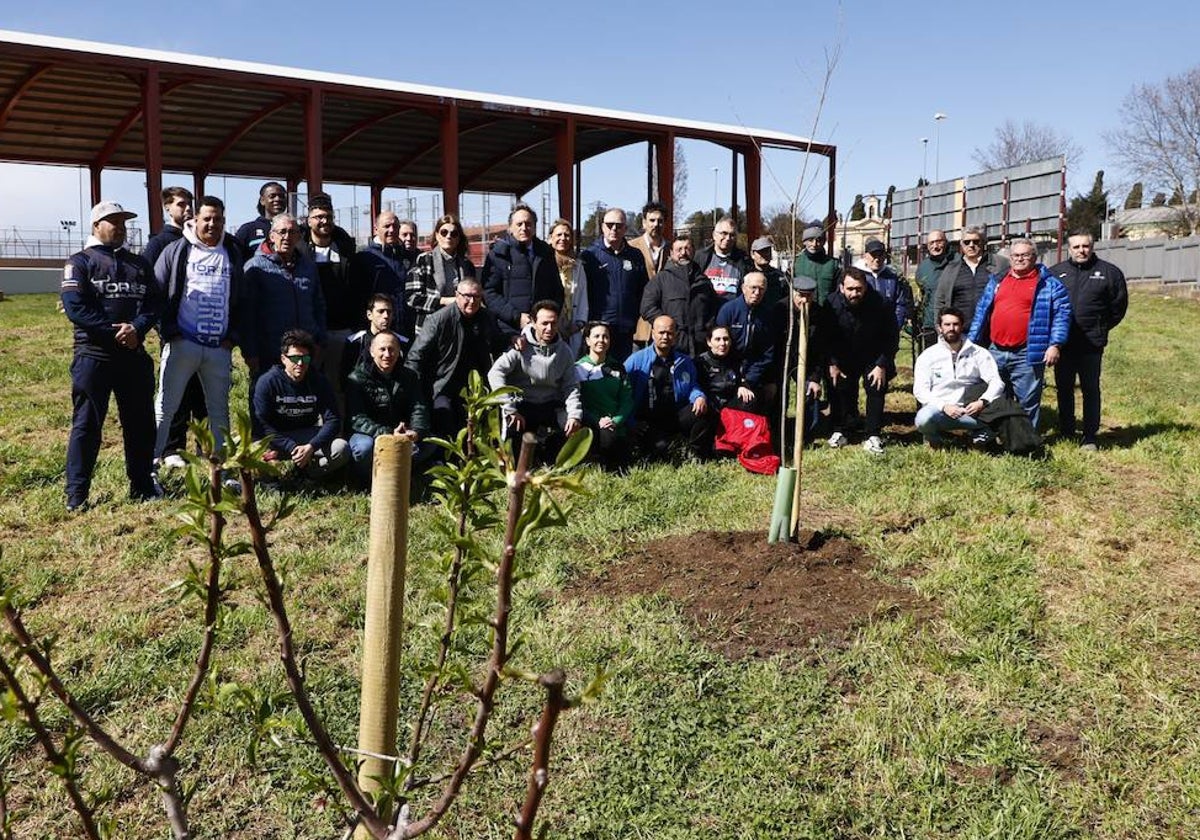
x: 612, y: 274
x: 965, y: 276
x: 298, y: 411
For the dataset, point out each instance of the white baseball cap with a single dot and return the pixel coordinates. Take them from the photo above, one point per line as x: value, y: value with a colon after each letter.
x: 109, y: 209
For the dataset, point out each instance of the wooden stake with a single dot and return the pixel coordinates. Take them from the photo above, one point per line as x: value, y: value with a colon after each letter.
x: 798, y: 432
x: 386, y: 562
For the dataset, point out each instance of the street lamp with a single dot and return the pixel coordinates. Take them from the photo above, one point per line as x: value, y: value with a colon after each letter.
x: 67, y: 225
x: 937, y: 152
x: 925, y: 159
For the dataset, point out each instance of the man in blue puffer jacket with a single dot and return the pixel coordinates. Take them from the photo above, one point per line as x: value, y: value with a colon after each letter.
x: 1024, y: 318
x: 667, y: 398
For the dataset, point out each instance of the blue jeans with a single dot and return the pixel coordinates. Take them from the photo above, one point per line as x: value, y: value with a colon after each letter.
x: 362, y: 454
x: 1083, y: 364
x: 1025, y: 379
x: 932, y: 421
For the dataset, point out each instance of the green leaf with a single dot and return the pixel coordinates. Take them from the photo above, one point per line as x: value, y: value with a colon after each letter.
x: 574, y: 450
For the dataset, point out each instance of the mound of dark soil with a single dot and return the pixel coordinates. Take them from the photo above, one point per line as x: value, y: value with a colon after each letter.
x: 751, y: 598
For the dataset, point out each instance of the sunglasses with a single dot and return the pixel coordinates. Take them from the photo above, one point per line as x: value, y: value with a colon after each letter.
x: 971, y: 242
x: 299, y: 359
x: 448, y: 232
x: 614, y: 225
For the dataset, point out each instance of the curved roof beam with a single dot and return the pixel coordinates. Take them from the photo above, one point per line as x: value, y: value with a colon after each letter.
x: 35, y: 72
x: 362, y: 125
x: 242, y: 129
x: 488, y: 166
x: 421, y: 151
x: 126, y: 123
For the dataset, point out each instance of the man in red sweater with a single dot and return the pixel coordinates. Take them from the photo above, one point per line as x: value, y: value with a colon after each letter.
x: 1024, y: 319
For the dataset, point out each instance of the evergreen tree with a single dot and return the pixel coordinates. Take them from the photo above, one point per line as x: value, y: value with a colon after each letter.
x: 1133, y: 201
x: 1087, y: 212
x: 858, y: 210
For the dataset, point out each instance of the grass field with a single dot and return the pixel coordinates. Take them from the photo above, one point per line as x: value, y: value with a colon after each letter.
x: 1052, y: 690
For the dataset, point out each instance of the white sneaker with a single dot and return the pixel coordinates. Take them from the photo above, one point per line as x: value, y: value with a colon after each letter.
x: 873, y: 445
x: 837, y: 440
x: 174, y: 461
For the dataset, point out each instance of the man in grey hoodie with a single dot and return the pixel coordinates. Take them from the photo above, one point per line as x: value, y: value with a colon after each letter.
x: 543, y: 367
x: 200, y: 275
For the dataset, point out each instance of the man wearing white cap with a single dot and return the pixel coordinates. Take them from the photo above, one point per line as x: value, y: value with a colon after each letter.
x: 110, y: 296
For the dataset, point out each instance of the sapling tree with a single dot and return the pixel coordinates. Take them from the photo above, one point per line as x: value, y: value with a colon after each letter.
x: 477, y: 470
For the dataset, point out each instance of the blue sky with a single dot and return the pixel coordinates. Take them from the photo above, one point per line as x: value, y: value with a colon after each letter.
x: 753, y: 63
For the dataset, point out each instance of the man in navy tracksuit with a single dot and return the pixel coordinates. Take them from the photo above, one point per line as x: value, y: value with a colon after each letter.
x: 110, y: 296
x: 754, y: 333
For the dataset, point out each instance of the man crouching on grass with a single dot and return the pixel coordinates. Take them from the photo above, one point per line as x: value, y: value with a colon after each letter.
x: 954, y: 381
x: 297, y: 409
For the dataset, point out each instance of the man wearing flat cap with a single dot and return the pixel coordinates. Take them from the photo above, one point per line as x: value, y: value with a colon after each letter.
x: 815, y: 263
x: 110, y: 297
x: 761, y: 254
x: 893, y: 288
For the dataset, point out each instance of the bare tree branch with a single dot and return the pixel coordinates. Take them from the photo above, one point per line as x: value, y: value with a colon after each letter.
x: 1014, y: 145
x: 46, y: 741
x: 539, y: 774
x: 287, y: 655
x: 499, y: 657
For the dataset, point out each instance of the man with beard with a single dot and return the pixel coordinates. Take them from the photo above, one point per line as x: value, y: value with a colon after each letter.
x: 682, y: 291
x: 200, y: 278
x: 110, y: 297
x: 965, y: 276
x: 331, y: 249
x: 859, y: 338
x: 543, y: 368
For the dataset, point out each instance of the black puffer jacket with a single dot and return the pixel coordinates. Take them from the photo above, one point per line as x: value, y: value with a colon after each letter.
x: 377, y: 404
x: 509, y: 296
x: 684, y: 293
x: 857, y: 338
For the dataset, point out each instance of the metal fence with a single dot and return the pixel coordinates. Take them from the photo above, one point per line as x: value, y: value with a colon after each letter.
x: 1161, y: 260
x: 28, y: 244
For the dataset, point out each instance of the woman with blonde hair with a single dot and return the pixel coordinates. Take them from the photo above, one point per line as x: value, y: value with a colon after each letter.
x: 437, y: 272
x: 574, y: 311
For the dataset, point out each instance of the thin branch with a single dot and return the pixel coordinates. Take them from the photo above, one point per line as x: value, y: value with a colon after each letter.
x: 29, y: 709
x: 212, y: 605
x: 287, y: 655
x: 42, y: 664
x: 539, y: 774
x: 499, y: 658
x: 418, y: 734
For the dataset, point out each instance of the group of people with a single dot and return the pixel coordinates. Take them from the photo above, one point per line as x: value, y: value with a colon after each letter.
x: 344, y: 345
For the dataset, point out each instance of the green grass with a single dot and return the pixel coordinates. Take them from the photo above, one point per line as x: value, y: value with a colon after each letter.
x: 1051, y: 691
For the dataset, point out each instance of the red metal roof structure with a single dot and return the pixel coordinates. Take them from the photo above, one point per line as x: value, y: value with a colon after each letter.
x: 83, y: 103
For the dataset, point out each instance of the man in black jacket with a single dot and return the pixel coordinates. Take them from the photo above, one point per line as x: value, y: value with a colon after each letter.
x: 859, y: 339
x: 682, y: 291
x: 1099, y: 299
x: 331, y: 248
x: 111, y: 299
x: 519, y: 271
x: 454, y: 341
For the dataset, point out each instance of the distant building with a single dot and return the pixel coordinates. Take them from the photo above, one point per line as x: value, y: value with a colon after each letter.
x: 853, y: 235
x: 1149, y: 223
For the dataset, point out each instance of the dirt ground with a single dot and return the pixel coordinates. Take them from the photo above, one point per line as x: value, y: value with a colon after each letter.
x: 750, y: 598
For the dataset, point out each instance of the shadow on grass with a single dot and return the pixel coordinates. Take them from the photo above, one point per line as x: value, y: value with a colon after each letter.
x: 1124, y: 437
